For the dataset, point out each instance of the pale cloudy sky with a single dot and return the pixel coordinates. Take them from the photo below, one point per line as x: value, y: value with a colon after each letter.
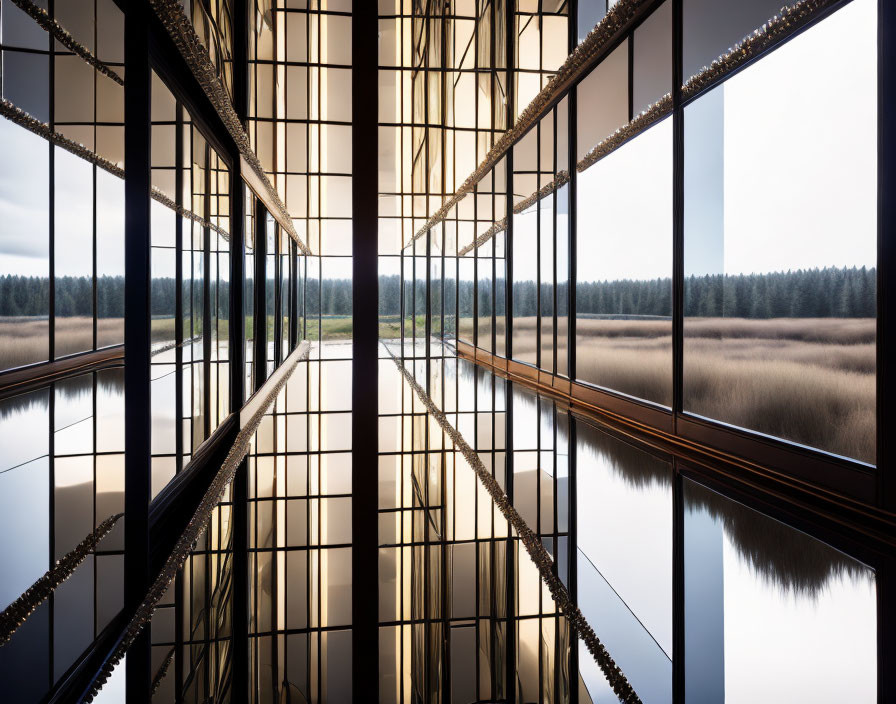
x: 797, y: 186
x: 24, y: 207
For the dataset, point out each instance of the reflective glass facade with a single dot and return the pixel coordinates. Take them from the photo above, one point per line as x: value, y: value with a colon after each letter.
x: 471, y: 351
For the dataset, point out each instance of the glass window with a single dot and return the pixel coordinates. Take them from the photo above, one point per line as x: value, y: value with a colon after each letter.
x: 484, y: 295
x: 760, y: 596
x: 109, y: 259
x: 336, y: 307
x: 652, y: 58
x: 249, y: 292
x: 624, y: 269
x: 562, y: 254
x: 435, y: 289
x: 711, y: 27
x: 24, y: 247
x: 602, y: 101
x: 525, y: 285
x: 286, y: 248
x: 73, y: 242
x: 623, y: 490
x: 590, y: 12
x: 546, y: 251
x: 466, y: 285
x: 781, y: 244
x: 270, y: 291
x: 420, y: 302
x: 500, y: 294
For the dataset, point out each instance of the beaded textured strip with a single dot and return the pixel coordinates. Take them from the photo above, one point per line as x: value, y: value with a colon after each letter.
x: 160, y: 197
x: 561, y: 178
x: 64, y: 37
x: 42, y: 129
x: 17, y: 612
x: 790, y: 19
x: 172, y: 345
x: 617, y: 20
x: 499, y: 226
x: 537, y: 552
x: 189, y: 44
x: 641, y: 122
x: 160, y: 675
x: 195, y: 528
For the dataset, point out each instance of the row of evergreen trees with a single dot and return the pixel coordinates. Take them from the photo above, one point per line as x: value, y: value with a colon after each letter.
x: 30, y: 296
x: 804, y: 293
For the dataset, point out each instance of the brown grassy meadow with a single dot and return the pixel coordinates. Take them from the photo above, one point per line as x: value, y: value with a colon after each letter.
x: 809, y: 380
x: 26, y: 340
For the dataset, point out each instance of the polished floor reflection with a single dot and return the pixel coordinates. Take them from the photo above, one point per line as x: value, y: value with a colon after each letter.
x: 472, y: 470
x: 466, y: 614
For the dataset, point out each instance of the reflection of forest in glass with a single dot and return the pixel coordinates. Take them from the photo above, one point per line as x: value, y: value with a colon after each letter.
x: 806, y: 335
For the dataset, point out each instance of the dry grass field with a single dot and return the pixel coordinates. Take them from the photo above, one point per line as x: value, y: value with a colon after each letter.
x: 25, y: 340
x: 809, y: 380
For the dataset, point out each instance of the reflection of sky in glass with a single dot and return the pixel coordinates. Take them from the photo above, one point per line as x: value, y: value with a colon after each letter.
x: 625, y: 211
x: 638, y: 568
x: 73, y: 240
x: 24, y: 194
x: 774, y: 614
x: 800, y: 162
x: 24, y: 210
x: 784, y: 647
x: 790, y: 178
x: 798, y: 185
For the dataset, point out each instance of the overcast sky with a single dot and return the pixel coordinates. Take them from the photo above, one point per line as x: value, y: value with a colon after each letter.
x: 798, y: 176
x: 24, y: 207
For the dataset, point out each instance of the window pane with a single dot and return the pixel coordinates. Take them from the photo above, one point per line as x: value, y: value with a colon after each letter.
x: 24, y: 247
x: 73, y: 241
x: 624, y: 269
x: 747, y: 577
x: 711, y: 27
x: 525, y: 286
x: 465, y: 299
x: 109, y: 259
x: 270, y: 292
x: 546, y: 280
x: 484, y: 262
x: 780, y: 251
x: 562, y: 204
x: 249, y: 291
x: 602, y: 101
x: 652, y: 59
x: 623, y: 490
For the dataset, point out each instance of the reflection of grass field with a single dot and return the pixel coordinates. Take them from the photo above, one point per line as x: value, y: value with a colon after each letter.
x: 810, y: 380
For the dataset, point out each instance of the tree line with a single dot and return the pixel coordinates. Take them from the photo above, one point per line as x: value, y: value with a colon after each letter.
x: 803, y: 293
x: 832, y: 292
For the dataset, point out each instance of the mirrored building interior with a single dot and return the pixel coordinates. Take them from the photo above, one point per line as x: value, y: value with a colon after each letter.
x: 459, y: 351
